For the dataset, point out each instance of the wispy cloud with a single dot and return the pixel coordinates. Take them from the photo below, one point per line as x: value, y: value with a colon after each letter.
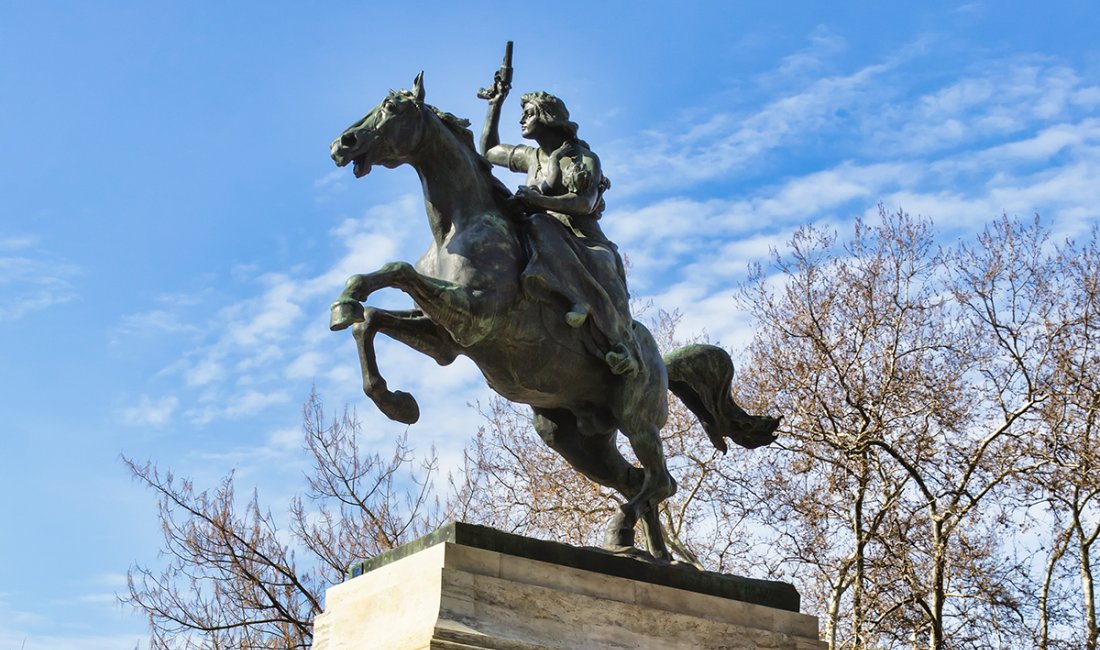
x: 21, y: 627
x: 306, y: 365
x: 19, y: 640
x: 16, y: 242
x: 274, y: 328
x: 150, y: 411
x: 823, y: 45
x: 727, y: 141
x: 32, y: 279
x: 1005, y: 99
x: 284, y: 446
x: 238, y: 405
x: 1018, y: 137
x: 868, y: 115
x: 154, y: 322
x: 713, y: 241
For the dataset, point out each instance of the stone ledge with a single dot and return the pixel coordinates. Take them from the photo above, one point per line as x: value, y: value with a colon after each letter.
x: 778, y: 595
x: 455, y: 595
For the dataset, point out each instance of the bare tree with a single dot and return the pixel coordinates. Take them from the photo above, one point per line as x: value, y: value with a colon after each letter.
x: 513, y: 481
x: 1006, y: 297
x: 1069, y: 482
x: 909, y: 378
x: 232, y: 578
x: 229, y: 581
x: 845, y: 349
x: 358, y: 505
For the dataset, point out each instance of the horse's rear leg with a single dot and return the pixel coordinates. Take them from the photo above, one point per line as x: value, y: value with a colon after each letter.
x: 597, y: 457
x: 657, y: 485
x: 592, y: 453
x: 411, y: 328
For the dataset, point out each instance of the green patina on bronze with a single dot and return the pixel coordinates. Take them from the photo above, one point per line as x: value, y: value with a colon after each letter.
x: 527, y: 286
x: 779, y: 595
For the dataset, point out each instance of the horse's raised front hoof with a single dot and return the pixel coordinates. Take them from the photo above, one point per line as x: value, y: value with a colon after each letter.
x: 398, y: 405
x: 344, y: 314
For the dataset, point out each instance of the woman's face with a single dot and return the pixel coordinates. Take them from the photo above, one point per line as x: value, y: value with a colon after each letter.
x: 529, y: 123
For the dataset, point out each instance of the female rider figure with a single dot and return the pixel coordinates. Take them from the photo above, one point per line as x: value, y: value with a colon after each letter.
x: 572, y: 263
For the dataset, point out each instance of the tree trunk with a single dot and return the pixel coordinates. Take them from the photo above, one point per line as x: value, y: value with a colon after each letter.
x: 859, y: 577
x: 832, y: 622
x: 1087, y: 593
x: 1056, y: 553
x: 938, y: 587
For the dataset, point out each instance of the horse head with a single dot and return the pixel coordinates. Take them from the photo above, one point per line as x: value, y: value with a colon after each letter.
x: 387, y: 135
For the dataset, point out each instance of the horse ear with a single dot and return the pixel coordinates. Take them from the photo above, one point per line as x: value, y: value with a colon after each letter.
x: 418, y: 87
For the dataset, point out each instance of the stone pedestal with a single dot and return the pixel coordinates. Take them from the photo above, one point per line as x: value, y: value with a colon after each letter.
x: 468, y: 588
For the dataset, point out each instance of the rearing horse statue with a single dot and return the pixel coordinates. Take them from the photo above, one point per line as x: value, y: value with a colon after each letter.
x: 469, y: 301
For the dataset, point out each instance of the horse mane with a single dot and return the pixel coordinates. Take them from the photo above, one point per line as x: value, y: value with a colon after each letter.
x: 460, y: 127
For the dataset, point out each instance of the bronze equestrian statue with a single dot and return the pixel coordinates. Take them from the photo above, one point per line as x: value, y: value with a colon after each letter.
x: 527, y: 286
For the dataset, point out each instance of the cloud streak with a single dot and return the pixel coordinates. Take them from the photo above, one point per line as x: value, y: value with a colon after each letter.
x: 1017, y: 138
x: 32, y: 279
x: 150, y: 411
x: 242, y: 356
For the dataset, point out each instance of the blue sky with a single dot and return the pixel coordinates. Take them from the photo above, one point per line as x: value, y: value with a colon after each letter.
x: 172, y: 228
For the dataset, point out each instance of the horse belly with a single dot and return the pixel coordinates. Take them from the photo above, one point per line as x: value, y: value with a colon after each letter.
x: 558, y: 378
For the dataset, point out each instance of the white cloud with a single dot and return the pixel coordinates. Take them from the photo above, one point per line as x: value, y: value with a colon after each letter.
x: 23, y: 640
x: 866, y: 116
x: 154, y: 322
x: 182, y: 299
x: 286, y: 439
x: 16, y: 307
x: 727, y: 142
x: 961, y: 156
x: 332, y: 181
x: 974, y: 8
x: 712, y: 242
x: 1045, y: 144
x: 282, y: 448
x: 247, y: 402
x: 306, y: 365
x: 105, y: 598
x: 1008, y: 97
x: 824, y: 44
x: 252, y: 401
x: 150, y: 411
x: 23, y: 628
x: 32, y: 280
x: 204, y: 372
x: 344, y: 375
x: 800, y: 198
x: 15, y: 242
x: 1088, y: 98
x: 242, y: 353
x: 111, y: 580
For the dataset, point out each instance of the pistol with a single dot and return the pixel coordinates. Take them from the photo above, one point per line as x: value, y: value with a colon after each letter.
x: 502, y: 80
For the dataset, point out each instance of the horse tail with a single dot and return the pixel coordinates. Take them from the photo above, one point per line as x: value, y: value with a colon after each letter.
x: 701, y: 376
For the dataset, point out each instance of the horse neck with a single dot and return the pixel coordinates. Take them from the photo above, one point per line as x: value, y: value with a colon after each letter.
x: 456, y: 190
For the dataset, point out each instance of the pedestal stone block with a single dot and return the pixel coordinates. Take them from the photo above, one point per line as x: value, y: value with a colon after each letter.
x: 468, y: 587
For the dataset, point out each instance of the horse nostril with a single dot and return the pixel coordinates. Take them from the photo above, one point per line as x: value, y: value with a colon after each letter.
x: 348, y: 139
